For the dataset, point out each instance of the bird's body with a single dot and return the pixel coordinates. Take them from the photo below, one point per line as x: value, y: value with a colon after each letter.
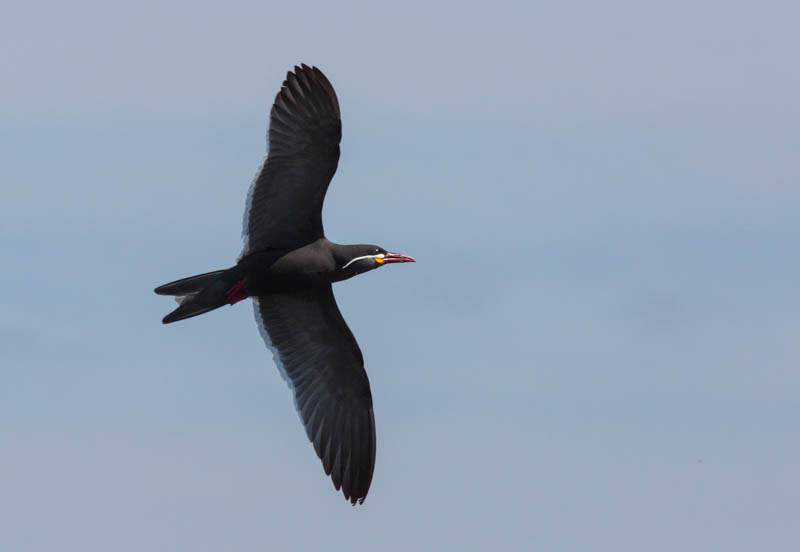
x: 316, y: 264
x: 288, y: 266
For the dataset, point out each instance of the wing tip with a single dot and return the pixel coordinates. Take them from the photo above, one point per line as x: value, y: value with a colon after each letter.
x: 311, y: 77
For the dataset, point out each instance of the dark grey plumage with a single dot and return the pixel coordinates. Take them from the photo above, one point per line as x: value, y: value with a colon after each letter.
x: 323, y: 364
x: 285, y: 208
x: 288, y: 267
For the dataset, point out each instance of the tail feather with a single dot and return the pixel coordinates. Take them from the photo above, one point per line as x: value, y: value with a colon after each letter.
x: 188, y: 309
x: 190, y: 285
x: 196, y: 294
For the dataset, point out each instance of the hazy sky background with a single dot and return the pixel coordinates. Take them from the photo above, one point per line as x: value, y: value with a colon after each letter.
x: 596, y: 350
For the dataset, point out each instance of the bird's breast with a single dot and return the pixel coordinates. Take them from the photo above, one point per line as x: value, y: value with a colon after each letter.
x: 298, y: 269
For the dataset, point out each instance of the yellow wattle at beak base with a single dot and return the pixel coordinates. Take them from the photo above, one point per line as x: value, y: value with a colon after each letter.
x: 378, y: 259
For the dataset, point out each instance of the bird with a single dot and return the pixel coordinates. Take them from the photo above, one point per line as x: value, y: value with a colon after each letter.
x: 288, y: 267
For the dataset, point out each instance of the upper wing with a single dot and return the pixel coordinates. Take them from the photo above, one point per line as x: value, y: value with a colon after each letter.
x: 320, y: 360
x: 284, y: 206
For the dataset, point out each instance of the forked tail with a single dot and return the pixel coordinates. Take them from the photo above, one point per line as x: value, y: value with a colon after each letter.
x: 202, y: 293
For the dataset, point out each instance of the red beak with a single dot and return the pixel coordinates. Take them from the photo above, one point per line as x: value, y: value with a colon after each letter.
x: 397, y: 258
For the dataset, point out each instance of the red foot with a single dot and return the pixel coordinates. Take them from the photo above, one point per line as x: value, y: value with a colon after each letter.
x: 235, y: 294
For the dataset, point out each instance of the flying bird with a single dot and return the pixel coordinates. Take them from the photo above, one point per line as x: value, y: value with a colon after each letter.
x: 287, y: 268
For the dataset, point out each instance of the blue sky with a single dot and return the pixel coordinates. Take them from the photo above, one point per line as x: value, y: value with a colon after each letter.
x: 597, y: 348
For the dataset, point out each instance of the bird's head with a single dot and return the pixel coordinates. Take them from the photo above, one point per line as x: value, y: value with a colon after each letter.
x: 362, y: 258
